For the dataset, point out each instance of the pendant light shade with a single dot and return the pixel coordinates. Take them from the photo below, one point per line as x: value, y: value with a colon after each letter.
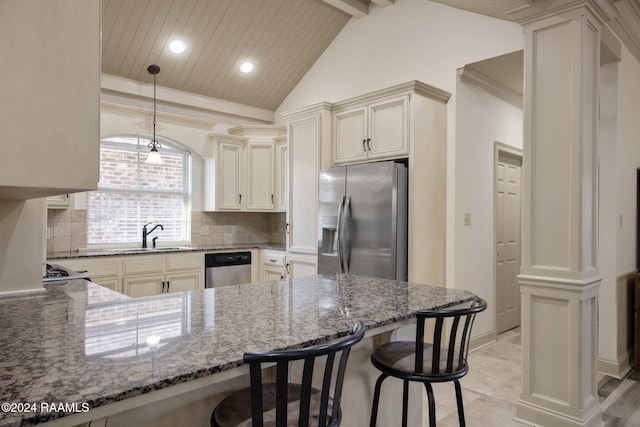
x: 154, y: 155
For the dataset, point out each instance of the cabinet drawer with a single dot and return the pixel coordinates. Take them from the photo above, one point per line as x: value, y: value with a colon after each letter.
x: 138, y: 265
x: 185, y: 262
x: 274, y: 258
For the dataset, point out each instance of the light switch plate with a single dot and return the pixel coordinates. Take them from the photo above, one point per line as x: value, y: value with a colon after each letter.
x: 204, y: 230
x: 467, y: 219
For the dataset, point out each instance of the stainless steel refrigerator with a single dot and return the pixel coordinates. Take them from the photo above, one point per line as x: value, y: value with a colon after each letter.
x: 362, y: 220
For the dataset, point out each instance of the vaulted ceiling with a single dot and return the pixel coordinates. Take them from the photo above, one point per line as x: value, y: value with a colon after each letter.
x: 283, y: 38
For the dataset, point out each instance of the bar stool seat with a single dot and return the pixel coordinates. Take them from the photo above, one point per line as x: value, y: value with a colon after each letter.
x: 428, y: 362
x: 285, y: 403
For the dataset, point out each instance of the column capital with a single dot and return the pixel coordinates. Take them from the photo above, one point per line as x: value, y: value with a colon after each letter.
x: 535, y: 10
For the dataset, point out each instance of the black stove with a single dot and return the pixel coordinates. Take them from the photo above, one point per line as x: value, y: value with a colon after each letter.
x: 57, y: 273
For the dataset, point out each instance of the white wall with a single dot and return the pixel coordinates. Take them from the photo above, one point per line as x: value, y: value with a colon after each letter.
x: 481, y: 120
x: 22, y: 245
x: 410, y: 40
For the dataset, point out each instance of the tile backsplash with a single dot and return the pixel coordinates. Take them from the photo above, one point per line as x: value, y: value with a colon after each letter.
x: 67, y: 228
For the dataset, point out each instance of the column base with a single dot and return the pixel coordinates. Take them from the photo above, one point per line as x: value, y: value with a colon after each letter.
x: 532, y: 414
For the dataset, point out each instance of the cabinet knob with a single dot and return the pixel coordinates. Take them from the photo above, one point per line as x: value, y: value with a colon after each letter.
x: 272, y: 199
x: 369, y: 144
x: 163, y: 286
x: 239, y: 198
x: 168, y: 284
x: 286, y: 228
x: 364, y: 145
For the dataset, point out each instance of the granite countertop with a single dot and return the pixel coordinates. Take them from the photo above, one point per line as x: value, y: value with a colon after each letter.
x: 160, y: 250
x: 82, y: 343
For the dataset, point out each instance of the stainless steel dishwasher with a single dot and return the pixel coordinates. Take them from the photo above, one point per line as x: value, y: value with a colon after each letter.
x: 225, y: 269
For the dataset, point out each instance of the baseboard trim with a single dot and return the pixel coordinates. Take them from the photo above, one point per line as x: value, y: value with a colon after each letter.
x: 535, y: 415
x: 483, y: 340
x: 616, y: 369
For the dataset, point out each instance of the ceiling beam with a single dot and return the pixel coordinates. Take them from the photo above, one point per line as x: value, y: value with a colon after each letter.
x: 354, y: 8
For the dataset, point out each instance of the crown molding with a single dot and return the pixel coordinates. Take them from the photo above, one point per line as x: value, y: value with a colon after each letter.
x: 622, y: 16
x: 480, y: 81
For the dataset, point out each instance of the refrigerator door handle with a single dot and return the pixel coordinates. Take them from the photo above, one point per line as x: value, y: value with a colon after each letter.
x: 347, y: 232
x: 339, y: 231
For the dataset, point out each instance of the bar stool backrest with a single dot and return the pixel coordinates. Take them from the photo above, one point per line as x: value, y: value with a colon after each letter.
x: 448, y: 358
x: 330, y: 412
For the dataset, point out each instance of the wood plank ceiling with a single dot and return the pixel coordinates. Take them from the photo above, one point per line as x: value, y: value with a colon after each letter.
x: 282, y: 37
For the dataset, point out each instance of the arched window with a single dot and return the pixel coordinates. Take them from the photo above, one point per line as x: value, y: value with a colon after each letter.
x: 132, y: 193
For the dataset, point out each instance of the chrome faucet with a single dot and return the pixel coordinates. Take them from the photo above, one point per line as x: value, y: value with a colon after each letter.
x: 145, y: 233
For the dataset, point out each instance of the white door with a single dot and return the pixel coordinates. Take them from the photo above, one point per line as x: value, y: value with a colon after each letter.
x: 507, y: 204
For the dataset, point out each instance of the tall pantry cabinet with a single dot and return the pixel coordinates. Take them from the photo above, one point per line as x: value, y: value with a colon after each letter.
x: 309, y: 131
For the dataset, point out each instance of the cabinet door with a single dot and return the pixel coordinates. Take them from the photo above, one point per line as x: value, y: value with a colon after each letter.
x: 303, y: 265
x: 282, y: 176
x: 112, y: 283
x: 184, y: 282
x: 143, y: 286
x: 260, y: 176
x: 349, y: 135
x: 389, y: 129
x: 270, y: 272
x: 229, y: 180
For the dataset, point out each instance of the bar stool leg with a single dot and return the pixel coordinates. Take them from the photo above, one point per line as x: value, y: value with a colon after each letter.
x: 405, y: 402
x: 460, y: 404
x: 432, y: 405
x: 376, y: 398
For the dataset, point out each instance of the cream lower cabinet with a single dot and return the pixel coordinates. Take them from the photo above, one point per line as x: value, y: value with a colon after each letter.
x: 273, y: 265
x: 145, y: 275
x: 104, y: 271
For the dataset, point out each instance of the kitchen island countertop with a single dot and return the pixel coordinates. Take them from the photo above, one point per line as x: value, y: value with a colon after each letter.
x: 82, y: 344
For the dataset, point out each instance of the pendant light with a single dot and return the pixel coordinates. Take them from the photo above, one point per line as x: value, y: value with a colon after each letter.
x: 154, y: 145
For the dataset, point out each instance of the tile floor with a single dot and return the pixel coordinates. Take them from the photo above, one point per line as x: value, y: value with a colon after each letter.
x: 492, y: 387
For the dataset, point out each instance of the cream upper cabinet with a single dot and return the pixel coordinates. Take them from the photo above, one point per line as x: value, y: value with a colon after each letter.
x: 50, y: 108
x: 370, y: 129
x: 230, y: 176
x: 240, y: 171
x: 224, y: 172
x: 261, y: 176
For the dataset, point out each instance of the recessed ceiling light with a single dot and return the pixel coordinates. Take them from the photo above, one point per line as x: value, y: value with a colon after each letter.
x: 177, y: 46
x: 246, y: 67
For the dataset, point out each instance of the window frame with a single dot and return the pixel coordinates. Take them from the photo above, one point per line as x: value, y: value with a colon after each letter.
x: 141, y: 148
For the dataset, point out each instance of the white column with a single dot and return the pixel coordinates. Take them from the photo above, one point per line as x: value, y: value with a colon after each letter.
x: 559, y: 278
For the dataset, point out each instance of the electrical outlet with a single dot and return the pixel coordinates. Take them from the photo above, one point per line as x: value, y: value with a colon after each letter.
x: 204, y: 230
x: 234, y: 229
x: 467, y: 219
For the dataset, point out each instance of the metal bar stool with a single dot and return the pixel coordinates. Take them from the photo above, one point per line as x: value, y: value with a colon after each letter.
x: 429, y: 362
x: 283, y: 404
